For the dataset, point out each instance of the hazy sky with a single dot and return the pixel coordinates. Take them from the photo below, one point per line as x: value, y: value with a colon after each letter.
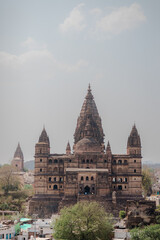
x: 50, y: 50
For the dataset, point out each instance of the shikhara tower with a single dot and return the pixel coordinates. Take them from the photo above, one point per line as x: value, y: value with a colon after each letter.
x: 18, y: 159
x: 91, y: 172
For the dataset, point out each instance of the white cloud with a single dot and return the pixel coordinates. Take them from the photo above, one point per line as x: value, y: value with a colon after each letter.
x: 73, y: 68
x: 31, y: 44
x: 75, y: 21
x: 95, y: 11
x: 124, y: 18
x: 35, y: 65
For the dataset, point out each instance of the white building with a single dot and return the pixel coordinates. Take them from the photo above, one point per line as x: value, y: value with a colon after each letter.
x: 6, y: 232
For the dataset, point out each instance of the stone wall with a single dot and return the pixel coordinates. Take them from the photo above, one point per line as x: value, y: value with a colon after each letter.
x: 140, y: 212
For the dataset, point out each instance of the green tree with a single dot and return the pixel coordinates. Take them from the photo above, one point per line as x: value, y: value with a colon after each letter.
x: 146, y: 182
x: 8, y: 180
x: 151, y: 232
x: 122, y: 214
x: 83, y: 221
x: 17, y: 228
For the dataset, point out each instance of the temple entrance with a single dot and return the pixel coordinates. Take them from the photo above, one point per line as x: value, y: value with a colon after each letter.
x: 87, y: 190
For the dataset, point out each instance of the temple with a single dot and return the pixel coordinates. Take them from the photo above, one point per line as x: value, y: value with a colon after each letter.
x: 18, y: 159
x: 89, y: 171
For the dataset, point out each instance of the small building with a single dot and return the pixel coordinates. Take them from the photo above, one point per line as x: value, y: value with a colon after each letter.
x: 6, y: 232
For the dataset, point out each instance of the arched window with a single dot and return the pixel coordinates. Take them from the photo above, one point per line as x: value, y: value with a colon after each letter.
x: 61, y: 161
x: 50, y: 179
x: 54, y: 179
x: 40, y: 170
x: 70, y: 160
x: 87, y: 160
x: 119, y: 187
x: 87, y: 178
x: 92, y: 178
x: 49, y: 186
x: 114, y: 179
x: 55, y: 169
x: 91, y: 161
x: 50, y: 161
x: 114, y: 161
x: 40, y: 160
x: 125, y: 179
x: 82, y: 178
x: 134, y: 161
x: 125, y: 161
x: 83, y: 161
x: 105, y: 161
x: 119, y: 161
x: 55, y: 161
x: 134, y: 170
x: 55, y: 187
x: 61, y: 179
x: 119, y: 179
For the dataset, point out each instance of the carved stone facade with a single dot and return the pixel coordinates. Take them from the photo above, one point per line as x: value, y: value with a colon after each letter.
x: 18, y: 159
x: 91, y: 171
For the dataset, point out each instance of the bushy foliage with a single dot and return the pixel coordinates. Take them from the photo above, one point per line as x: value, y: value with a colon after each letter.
x: 8, y: 180
x: 17, y: 228
x: 8, y: 203
x: 83, y: 221
x: 146, y: 182
x: 151, y: 232
x: 122, y: 214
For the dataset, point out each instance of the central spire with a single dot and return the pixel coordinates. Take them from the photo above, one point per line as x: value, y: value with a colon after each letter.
x: 89, y: 94
x: 89, y: 115
x: 18, y: 153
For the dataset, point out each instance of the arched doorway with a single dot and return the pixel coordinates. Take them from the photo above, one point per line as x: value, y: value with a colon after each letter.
x: 87, y: 190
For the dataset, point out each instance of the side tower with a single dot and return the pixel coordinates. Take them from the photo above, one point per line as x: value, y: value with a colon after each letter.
x: 18, y: 159
x: 42, y: 151
x: 134, y: 165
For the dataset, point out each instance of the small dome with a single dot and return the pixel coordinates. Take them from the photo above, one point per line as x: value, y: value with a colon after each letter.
x: 87, y: 145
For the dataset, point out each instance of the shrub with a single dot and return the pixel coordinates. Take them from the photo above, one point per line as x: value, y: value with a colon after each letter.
x: 122, y: 214
x: 151, y: 232
x: 83, y: 221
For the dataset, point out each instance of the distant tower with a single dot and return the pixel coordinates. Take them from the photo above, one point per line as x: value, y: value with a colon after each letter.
x: 42, y: 151
x: 134, y: 142
x: 134, y: 163
x: 18, y: 159
x: 68, y: 149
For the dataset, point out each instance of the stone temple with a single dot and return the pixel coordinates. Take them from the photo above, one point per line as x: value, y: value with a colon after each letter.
x: 89, y: 172
x: 18, y: 159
